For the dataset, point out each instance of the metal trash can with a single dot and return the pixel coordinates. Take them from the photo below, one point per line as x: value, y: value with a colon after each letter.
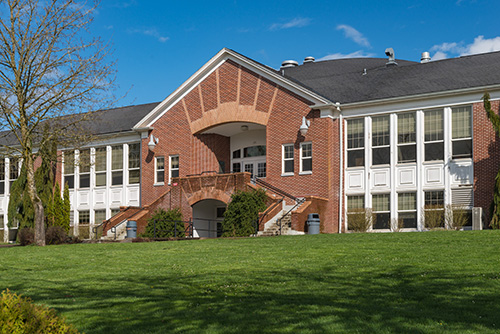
x: 131, y: 229
x: 313, y: 223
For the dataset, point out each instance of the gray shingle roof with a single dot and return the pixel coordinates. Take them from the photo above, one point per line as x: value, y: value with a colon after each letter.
x: 343, y: 81
x: 109, y: 121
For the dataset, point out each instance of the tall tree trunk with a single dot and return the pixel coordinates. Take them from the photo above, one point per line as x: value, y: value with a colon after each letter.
x: 37, y: 203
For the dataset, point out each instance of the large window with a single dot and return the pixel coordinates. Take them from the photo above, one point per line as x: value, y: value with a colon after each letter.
x: 355, y: 142
x: 407, y: 136
x: 382, y: 211
x: 100, y: 166
x: 461, y: 125
x: 355, y: 209
x: 306, y: 157
x: 84, y: 163
x: 287, y: 152
x: 134, y: 163
x: 174, y: 167
x: 254, y: 151
x: 99, y: 216
x: 69, y: 169
x: 160, y: 170
x: 2, y: 176
x: 381, y: 149
x: 117, y: 165
x: 407, y: 210
x: 434, y: 135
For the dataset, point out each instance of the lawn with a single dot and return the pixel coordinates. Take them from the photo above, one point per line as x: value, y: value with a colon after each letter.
x: 430, y: 282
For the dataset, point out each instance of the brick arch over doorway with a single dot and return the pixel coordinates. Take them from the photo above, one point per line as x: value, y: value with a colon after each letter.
x: 203, y: 194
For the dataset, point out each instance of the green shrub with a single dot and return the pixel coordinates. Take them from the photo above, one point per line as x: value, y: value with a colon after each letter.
x: 243, y: 212
x: 26, y: 236
x: 55, y: 235
x: 20, y: 315
x: 359, y: 220
x: 164, y: 223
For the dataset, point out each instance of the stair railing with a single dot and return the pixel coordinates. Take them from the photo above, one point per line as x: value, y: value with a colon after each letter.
x: 297, y: 204
x: 113, y: 229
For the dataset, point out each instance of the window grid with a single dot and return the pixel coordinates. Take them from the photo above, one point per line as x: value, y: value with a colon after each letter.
x: 69, y: 169
x: 261, y: 169
x: 84, y: 168
x: 134, y: 163
x: 99, y: 216
x: 407, y: 210
x: 382, y: 211
x: 83, y: 217
x: 407, y: 136
x: 355, y: 202
x: 288, y: 163
x: 433, y: 135
x: 174, y: 167
x: 381, y: 141
x: 461, y: 132
x: 306, y: 157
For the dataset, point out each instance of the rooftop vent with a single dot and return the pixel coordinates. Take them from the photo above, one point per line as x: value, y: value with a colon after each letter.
x: 426, y: 57
x: 309, y: 59
x: 289, y: 63
x: 392, y: 59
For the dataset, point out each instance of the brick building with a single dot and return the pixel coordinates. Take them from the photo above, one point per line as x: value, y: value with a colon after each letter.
x: 326, y: 137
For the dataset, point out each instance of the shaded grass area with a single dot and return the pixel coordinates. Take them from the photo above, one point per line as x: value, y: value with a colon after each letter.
x: 430, y: 282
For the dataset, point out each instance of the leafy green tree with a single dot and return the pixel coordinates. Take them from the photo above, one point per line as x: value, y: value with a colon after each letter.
x: 165, y: 222
x: 60, y: 210
x: 45, y: 176
x: 495, y: 205
x: 243, y: 212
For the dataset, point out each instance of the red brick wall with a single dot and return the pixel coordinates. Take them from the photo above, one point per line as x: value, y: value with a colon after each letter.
x: 486, y: 153
x: 228, y: 93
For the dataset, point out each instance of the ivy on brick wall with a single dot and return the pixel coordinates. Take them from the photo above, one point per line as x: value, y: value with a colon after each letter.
x: 495, y: 205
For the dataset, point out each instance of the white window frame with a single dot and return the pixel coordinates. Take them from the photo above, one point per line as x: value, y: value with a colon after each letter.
x: 3, y: 176
x: 403, y: 211
x: 302, y: 158
x: 361, y: 148
x: 117, y: 170
x: 383, y: 146
x: 284, y: 159
x: 159, y: 170
x: 402, y: 145
x: 170, y: 168
x: 435, y: 141
x: 99, y: 172
x: 462, y: 138
x: 133, y: 169
x: 83, y: 167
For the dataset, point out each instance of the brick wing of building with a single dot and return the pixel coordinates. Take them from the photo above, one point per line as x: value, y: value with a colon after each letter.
x: 327, y: 137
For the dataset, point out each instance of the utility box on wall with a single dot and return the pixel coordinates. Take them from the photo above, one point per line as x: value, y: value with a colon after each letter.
x: 477, y: 218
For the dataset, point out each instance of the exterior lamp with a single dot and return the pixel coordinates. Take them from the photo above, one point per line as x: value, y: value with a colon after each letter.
x: 305, y: 126
x: 152, y: 142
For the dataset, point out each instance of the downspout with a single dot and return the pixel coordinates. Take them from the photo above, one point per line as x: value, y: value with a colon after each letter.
x: 341, y: 188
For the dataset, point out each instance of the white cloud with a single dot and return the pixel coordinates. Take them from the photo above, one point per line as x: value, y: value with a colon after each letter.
x: 356, y: 54
x: 150, y: 32
x: 297, y: 22
x: 124, y: 4
x: 353, y: 34
x: 480, y: 45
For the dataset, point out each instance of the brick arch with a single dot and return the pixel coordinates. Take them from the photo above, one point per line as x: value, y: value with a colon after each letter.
x: 205, y: 193
x: 228, y: 113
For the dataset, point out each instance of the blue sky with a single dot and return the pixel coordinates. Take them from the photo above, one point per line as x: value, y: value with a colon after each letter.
x: 160, y: 44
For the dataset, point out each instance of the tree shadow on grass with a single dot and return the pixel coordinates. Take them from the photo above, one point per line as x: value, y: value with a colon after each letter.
x: 402, y: 300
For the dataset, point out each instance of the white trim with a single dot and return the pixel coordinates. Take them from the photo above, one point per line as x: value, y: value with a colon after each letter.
x: 170, y: 169
x: 156, y: 183
x: 216, y: 61
x: 283, y: 173
x: 301, y: 171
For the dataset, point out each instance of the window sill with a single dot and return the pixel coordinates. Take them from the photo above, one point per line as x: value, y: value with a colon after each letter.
x: 433, y: 162
x: 306, y: 173
x: 159, y: 184
x: 287, y: 174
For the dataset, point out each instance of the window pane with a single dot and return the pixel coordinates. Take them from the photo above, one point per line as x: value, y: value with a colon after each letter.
x: 288, y: 166
x: 84, y: 217
x: 434, y: 198
x: 406, y: 128
x: 382, y: 221
x: 236, y: 167
x: 434, y: 151
x: 70, y: 181
x: 254, y: 151
x: 381, y: 156
x: 249, y: 169
x: 134, y: 176
x: 355, y: 202
x: 134, y: 152
x: 433, y: 125
x: 2, y: 169
x: 117, y: 157
x: 100, y: 179
x: 84, y: 161
x: 160, y: 163
x: 100, y: 159
x: 174, y: 161
x: 409, y: 219
x: 306, y: 150
x: 355, y: 133
x: 380, y: 131
x: 461, y: 122
x: 237, y: 154
x: 356, y: 158
x: 116, y: 178
x: 160, y: 176
x: 84, y: 180
x: 261, y: 169
x: 99, y: 216
x: 175, y: 173
x: 307, y: 165
x: 462, y: 148
x: 381, y: 202
x: 407, y: 201
x: 407, y: 153
x: 288, y: 151
x: 2, y: 187
x: 69, y: 162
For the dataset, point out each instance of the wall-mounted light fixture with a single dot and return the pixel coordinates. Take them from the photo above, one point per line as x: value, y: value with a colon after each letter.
x: 244, y: 128
x: 305, y: 126
x: 152, y: 142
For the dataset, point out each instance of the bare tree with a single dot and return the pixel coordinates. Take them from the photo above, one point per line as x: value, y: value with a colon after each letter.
x: 50, y: 67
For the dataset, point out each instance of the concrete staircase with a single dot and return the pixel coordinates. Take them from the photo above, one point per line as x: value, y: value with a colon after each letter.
x: 283, y: 218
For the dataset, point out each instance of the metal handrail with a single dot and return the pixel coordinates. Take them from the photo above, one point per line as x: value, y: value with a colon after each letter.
x: 297, y: 204
x: 95, y: 228
x: 113, y: 229
x: 275, y: 189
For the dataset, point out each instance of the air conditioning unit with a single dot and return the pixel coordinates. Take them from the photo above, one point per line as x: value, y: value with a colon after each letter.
x: 477, y: 218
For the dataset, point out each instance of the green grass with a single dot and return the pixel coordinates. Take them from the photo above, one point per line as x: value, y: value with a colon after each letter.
x: 430, y: 282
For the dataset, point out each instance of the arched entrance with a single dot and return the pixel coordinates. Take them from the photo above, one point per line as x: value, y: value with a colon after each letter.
x: 207, y: 217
